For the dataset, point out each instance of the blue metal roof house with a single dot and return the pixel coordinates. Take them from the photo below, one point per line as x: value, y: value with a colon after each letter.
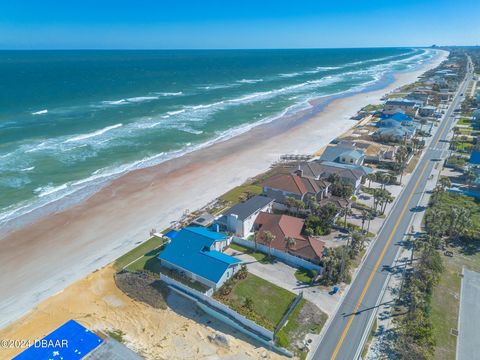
x: 475, y: 158
x: 398, y: 116
x: 195, y: 253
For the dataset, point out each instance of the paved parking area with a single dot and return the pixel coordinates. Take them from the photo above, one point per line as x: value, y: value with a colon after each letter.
x: 283, y: 275
x: 468, y: 334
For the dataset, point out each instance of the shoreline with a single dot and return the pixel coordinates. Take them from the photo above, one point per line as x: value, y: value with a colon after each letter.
x: 46, y: 256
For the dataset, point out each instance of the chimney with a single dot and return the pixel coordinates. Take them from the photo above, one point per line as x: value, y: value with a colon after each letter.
x: 299, y: 171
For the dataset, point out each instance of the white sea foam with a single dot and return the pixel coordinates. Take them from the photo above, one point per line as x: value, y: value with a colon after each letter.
x: 190, y: 130
x: 289, y: 75
x: 48, y: 190
x: 41, y: 112
x: 217, y: 86
x: 169, y: 93
x: 249, y: 81
x: 93, y: 134
x: 115, y: 102
x: 30, y: 168
x: 175, y: 112
x: 141, y: 99
x: 179, y: 119
x: 137, y: 99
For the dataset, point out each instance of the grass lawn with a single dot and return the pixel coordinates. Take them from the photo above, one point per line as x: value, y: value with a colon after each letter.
x: 464, y: 121
x: 464, y: 147
x: 302, y: 321
x: 304, y: 275
x: 236, y: 194
x: 144, y: 252
x: 259, y: 256
x: 270, y: 301
x: 412, y: 164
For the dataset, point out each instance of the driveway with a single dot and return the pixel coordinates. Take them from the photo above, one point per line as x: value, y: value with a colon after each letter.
x: 283, y: 275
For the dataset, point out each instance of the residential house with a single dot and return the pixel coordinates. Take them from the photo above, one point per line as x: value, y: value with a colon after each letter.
x: 239, y: 218
x: 474, y: 159
x: 419, y: 95
x: 399, y: 117
x: 390, y: 128
x: 351, y: 174
x: 427, y: 111
x: 282, y: 186
x: 373, y: 151
x: 392, y: 106
x: 284, y: 226
x: 195, y: 253
x: 343, y: 154
x: 476, y: 119
x: 397, y: 134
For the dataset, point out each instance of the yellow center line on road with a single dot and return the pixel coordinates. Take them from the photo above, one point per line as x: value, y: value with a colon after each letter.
x: 380, y: 258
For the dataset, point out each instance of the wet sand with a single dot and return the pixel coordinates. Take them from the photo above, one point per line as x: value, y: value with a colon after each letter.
x: 46, y: 256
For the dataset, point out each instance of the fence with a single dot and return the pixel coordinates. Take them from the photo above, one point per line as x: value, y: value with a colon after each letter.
x: 292, y: 307
x: 287, y: 258
x: 248, y: 324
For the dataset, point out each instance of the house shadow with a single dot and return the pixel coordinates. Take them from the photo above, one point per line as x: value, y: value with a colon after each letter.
x: 188, y: 308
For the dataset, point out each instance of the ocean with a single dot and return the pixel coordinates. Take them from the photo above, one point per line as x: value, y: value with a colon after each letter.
x: 70, y: 121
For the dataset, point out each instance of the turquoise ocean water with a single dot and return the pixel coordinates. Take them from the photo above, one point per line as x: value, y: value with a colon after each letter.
x: 72, y: 120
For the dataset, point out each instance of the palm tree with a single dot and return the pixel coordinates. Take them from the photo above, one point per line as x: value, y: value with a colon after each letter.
x: 290, y: 243
x: 255, y: 238
x: 268, y: 238
x: 371, y: 177
x: 445, y: 183
x: 387, y: 199
x: 248, y: 303
x: 299, y: 205
x: 470, y: 177
x: 401, y: 157
x: 364, y: 216
x: 346, y: 211
x: 290, y: 202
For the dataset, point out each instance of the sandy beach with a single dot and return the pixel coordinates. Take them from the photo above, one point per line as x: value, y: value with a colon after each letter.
x: 45, y: 257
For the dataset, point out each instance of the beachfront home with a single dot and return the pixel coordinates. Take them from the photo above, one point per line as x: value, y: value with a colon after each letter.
x: 195, y: 253
x: 343, y: 154
x: 476, y: 119
x: 351, y: 174
x: 427, y: 111
x: 239, y: 219
x: 395, y: 134
x: 474, y: 160
x: 419, y: 95
x: 373, y: 151
x: 282, y: 186
x: 392, y: 106
x: 399, y: 117
x: 283, y: 227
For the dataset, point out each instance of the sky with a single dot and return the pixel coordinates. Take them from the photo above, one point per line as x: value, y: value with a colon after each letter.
x: 190, y: 24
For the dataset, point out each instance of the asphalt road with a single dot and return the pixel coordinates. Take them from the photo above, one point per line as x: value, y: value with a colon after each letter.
x: 343, y: 338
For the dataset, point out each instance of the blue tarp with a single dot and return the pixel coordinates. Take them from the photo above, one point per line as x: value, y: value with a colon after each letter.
x: 71, y: 341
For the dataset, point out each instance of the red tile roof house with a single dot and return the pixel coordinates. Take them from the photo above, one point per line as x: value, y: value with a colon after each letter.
x: 281, y: 186
x: 282, y: 226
